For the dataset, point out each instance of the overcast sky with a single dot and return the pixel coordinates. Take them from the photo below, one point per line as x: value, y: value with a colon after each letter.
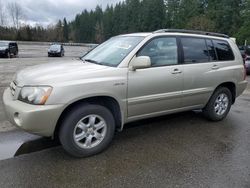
x: 45, y: 12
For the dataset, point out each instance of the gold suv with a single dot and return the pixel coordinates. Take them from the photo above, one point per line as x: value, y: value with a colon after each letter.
x: 127, y: 78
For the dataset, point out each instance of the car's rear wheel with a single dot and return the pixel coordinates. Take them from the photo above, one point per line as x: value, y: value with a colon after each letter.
x: 8, y: 54
x: 87, y: 130
x: 219, y: 104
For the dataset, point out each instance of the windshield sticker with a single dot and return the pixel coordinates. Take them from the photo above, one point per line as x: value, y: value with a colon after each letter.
x: 124, y: 46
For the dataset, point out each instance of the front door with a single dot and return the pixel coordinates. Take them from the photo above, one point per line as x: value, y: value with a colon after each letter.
x: 158, y: 89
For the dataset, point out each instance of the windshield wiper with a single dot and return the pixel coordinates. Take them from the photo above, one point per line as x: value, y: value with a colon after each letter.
x: 93, y: 61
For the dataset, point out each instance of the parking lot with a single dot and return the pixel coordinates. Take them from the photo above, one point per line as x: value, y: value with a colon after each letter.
x: 181, y: 150
x: 29, y: 55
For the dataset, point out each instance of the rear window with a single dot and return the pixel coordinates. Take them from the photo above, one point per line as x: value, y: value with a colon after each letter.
x: 223, y: 50
x: 195, y: 50
x: 13, y: 44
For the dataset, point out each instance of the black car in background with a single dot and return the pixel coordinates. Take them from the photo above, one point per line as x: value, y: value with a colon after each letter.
x: 56, y: 50
x: 242, y: 51
x: 247, y: 64
x: 8, y: 48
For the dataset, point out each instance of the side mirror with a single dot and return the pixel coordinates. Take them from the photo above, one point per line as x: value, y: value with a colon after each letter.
x: 141, y: 62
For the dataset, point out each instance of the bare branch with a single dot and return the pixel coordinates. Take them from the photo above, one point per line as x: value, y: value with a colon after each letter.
x: 2, y: 14
x: 16, y: 13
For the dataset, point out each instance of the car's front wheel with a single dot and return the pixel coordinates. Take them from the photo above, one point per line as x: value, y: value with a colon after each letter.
x: 87, y: 130
x: 219, y: 104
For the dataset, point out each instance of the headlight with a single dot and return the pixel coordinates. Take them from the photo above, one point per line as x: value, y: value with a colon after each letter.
x: 35, y: 95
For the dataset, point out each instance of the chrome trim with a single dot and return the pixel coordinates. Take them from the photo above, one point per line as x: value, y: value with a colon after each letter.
x: 13, y: 87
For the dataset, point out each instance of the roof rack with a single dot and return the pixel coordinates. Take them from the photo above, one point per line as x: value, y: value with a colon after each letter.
x: 191, y: 32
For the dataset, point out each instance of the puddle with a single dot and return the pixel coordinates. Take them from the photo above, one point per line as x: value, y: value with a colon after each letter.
x: 15, y: 143
x: 8, y: 150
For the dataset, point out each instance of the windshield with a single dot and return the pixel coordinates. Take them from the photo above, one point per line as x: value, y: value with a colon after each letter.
x: 55, y: 47
x: 113, y: 51
x: 3, y: 44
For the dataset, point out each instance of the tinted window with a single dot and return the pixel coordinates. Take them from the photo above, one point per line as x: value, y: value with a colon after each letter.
x: 12, y: 45
x: 211, y: 50
x: 162, y: 51
x: 195, y: 50
x: 224, y: 52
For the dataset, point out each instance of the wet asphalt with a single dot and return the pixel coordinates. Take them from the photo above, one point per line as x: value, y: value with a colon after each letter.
x: 180, y: 150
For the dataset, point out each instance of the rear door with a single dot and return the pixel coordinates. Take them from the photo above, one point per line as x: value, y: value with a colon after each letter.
x: 199, y: 57
x: 206, y: 64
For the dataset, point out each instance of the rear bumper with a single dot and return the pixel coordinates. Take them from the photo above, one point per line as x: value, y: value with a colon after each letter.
x: 2, y: 53
x: 36, y: 119
x: 54, y: 54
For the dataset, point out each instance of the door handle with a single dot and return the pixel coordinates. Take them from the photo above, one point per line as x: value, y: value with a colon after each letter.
x: 215, y: 67
x: 176, y: 71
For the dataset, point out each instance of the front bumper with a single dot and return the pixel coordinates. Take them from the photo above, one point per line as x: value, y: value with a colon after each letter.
x: 36, y: 119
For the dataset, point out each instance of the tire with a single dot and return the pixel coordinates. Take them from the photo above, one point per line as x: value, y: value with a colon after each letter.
x: 8, y: 55
x: 218, y: 107
x: 80, y: 116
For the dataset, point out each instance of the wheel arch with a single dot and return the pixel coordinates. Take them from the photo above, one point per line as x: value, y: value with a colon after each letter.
x: 109, y: 102
x: 232, y: 87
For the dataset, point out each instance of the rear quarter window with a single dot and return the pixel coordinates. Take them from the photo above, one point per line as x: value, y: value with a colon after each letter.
x: 223, y: 50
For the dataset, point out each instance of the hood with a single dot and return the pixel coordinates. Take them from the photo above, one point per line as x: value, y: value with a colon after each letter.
x: 3, y: 47
x: 58, y: 72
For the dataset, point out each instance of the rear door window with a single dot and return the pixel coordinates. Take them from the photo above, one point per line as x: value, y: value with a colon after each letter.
x: 195, y: 50
x: 223, y: 50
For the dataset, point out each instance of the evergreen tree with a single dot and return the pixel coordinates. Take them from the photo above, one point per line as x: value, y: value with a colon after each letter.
x: 65, y: 30
x: 226, y: 16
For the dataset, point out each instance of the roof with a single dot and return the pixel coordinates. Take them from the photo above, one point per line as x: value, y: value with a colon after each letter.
x: 191, y: 32
x: 137, y: 34
x: 7, y: 41
x: 179, y: 32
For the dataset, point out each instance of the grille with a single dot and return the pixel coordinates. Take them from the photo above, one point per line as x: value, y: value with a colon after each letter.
x: 13, y: 88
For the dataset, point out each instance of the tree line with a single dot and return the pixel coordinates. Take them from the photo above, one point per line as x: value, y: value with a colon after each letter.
x: 231, y: 17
